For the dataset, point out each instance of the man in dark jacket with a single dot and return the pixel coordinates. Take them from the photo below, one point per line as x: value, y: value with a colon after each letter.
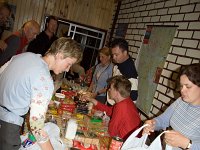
x: 43, y: 41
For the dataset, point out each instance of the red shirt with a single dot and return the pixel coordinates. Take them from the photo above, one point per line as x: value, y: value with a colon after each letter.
x: 124, y: 118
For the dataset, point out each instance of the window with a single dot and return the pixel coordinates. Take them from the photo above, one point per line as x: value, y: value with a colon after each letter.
x: 90, y: 40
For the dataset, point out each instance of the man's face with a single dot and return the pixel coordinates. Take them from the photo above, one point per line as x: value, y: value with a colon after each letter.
x: 112, y: 92
x: 52, y: 26
x: 4, y: 15
x: 32, y: 33
x: 119, y: 56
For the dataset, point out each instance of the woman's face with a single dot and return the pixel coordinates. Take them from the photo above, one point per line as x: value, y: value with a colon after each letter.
x: 189, y: 92
x: 104, y: 59
x: 63, y: 64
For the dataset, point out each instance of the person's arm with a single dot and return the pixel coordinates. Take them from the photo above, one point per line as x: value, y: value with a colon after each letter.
x: 176, y: 139
x: 162, y: 121
x: 37, y: 118
x: 93, y: 80
x: 90, y: 87
x: 99, y: 106
x: 42, y: 89
x: 13, y: 43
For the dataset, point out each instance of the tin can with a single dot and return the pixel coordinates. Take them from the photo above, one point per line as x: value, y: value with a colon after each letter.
x: 116, y: 143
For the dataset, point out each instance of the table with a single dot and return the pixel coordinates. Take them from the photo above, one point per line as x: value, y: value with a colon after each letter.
x: 91, y: 131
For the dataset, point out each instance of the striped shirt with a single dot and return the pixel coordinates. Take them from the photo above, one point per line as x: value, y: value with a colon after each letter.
x: 184, y: 118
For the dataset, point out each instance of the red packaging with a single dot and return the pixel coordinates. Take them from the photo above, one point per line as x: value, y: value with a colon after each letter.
x: 116, y: 143
x: 80, y: 145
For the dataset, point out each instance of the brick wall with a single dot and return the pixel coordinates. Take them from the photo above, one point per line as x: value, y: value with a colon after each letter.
x: 185, y: 48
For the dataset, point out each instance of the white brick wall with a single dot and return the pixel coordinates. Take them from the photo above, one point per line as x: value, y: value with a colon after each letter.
x: 196, y: 35
x: 193, y: 53
x: 174, y: 10
x: 187, y: 8
x: 178, y: 17
x: 191, y: 16
x: 185, y: 34
x: 165, y: 18
x: 182, y: 25
x: 190, y: 43
x: 159, y: 5
x: 171, y: 58
x: 197, y: 8
x: 194, y: 25
x: 173, y: 66
x: 165, y: 99
x: 182, y: 2
x: 184, y: 60
x: 170, y: 3
x: 162, y: 89
x: 185, y: 48
x: 151, y: 6
x: 179, y: 50
x: 155, y: 19
x: 153, y: 12
x: 144, y: 13
x: 177, y: 42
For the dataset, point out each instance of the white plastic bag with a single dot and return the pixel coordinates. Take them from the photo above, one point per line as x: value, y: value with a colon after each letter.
x: 53, y: 132
x: 135, y: 143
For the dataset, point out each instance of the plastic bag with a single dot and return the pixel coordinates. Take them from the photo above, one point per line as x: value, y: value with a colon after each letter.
x: 135, y: 143
x: 54, y: 135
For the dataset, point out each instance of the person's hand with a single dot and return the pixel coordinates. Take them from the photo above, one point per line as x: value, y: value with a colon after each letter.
x: 88, y: 98
x: 3, y: 45
x: 150, y: 128
x: 176, y: 139
x: 93, y: 95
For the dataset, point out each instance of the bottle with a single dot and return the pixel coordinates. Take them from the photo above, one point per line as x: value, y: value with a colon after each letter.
x: 90, y: 106
x: 29, y: 141
x: 31, y: 137
x: 71, y: 129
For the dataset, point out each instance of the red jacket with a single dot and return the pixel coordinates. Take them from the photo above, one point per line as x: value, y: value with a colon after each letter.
x: 124, y: 118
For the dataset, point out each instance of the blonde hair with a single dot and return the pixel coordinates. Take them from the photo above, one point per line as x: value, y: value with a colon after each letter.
x: 31, y: 24
x: 68, y: 47
x: 106, y: 51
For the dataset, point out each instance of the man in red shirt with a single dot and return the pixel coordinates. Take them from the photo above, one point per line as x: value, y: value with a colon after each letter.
x: 124, y: 115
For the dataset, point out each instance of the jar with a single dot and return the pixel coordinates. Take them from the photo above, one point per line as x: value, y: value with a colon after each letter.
x: 59, y: 97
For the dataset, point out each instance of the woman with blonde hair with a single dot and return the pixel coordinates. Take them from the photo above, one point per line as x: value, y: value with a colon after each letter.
x: 102, y: 72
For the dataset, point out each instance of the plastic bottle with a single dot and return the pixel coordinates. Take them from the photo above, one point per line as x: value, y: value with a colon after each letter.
x: 71, y: 129
x: 29, y: 141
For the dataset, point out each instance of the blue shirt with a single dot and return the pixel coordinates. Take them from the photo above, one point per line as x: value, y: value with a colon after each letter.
x: 26, y: 82
x: 101, y: 74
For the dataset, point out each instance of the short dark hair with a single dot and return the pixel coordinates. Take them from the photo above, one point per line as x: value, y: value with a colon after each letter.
x: 192, y: 71
x: 121, y: 43
x: 121, y: 84
x: 48, y: 20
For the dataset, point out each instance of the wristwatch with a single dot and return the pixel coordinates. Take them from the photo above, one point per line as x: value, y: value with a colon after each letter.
x: 189, y: 145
